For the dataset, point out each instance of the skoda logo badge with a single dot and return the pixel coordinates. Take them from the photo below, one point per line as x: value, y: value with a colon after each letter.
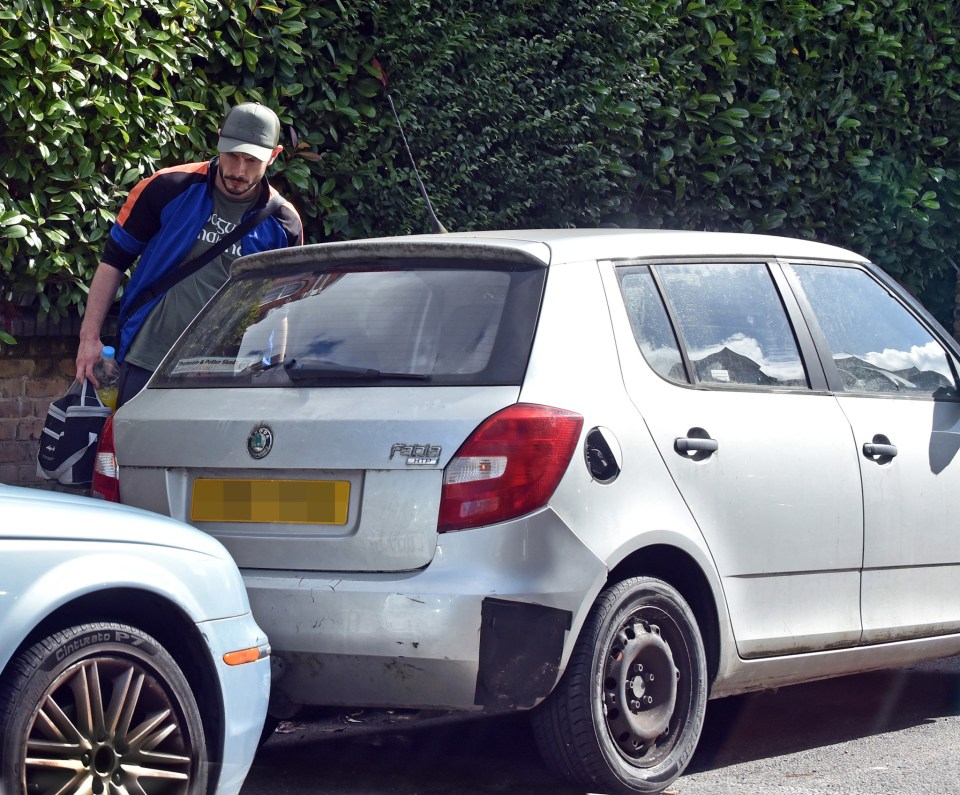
x: 260, y: 441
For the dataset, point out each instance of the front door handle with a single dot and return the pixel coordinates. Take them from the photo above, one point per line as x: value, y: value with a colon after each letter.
x: 881, y: 449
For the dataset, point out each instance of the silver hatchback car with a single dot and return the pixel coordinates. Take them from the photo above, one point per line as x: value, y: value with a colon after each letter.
x: 605, y: 474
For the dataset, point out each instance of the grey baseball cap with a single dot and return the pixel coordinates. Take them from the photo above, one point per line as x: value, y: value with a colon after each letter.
x: 252, y: 129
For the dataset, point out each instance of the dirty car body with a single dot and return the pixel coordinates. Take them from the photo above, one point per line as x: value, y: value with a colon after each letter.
x: 601, y: 472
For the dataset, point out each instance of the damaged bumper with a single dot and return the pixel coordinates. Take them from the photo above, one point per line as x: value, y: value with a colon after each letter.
x: 487, y: 625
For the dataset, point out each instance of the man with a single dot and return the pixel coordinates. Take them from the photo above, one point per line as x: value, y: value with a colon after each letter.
x: 171, y: 218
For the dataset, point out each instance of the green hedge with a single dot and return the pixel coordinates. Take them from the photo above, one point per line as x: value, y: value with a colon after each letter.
x: 838, y: 122
x: 89, y: 108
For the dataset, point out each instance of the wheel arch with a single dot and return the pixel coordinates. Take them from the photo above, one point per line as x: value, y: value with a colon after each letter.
x: 677, y: 568
x: 171, y: 627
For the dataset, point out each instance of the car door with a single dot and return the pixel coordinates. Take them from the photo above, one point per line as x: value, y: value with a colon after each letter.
x: 758, y: 448
x: 896, y: 384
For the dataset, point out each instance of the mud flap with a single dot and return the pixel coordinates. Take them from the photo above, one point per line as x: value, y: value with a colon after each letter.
x: 520, y: 649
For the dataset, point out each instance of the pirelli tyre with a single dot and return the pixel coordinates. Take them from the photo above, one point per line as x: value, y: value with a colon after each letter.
x: 627, y: 713
x: 99, y: 708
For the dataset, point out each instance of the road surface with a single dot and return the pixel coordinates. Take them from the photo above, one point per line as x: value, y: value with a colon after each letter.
x: 890, y: 732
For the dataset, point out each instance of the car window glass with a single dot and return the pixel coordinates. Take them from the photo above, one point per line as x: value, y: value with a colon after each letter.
x: 879, y: 347
x: 649, y: 321
x: 362, y: 326
x: 733, y: 324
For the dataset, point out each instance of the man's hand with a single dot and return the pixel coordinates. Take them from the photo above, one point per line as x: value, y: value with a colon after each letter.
x: 87, y: 356
x: 103, y: 289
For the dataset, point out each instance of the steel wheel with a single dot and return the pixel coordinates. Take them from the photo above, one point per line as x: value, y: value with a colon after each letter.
x: 639, y: 685
x: 100, y: 708
x: 627, y: 714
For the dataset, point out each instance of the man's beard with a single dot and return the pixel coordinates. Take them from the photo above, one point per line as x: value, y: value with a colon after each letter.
x: 235, y: 186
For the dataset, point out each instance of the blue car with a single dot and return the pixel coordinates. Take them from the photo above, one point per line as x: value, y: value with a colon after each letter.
x: 129, y: 659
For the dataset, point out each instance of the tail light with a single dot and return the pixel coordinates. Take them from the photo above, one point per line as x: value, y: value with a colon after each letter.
x: 510, y: 466
x: 106, y: 473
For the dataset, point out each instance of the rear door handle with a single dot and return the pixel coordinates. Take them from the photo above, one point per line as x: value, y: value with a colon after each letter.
x: 687, y: 444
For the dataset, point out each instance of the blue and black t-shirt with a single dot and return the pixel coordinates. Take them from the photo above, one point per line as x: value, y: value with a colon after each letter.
x: 166, y: 221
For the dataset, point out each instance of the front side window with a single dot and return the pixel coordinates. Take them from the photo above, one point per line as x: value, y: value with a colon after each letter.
x: 878, y: 346
x: 728, y: 317
x: 362, y: 326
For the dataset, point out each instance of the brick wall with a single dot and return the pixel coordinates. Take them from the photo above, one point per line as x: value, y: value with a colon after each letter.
x: 34, y: 372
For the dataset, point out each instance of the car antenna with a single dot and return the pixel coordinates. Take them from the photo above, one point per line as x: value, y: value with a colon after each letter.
x: 438, y: 228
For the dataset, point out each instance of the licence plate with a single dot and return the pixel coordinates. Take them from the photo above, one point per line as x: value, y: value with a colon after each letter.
x: 279, y: 501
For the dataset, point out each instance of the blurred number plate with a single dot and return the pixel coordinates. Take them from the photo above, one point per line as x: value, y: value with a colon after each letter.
x: 284, y: 501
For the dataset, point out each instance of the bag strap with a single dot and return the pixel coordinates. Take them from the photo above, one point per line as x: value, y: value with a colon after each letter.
x: 159, y: 287
x: 93, y: 393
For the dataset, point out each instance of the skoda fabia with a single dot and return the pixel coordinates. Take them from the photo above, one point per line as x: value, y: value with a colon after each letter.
x: 129, y: 660
x: 601, y: 475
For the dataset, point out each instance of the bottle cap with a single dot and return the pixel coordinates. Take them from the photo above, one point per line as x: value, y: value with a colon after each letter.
x: 108, y: 352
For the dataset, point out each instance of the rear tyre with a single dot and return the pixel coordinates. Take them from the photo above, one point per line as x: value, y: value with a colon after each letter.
x: 627, y: 713
x: 100, y: 708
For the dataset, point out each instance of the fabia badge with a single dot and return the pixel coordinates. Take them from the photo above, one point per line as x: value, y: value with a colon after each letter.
x: 417, y: 455
x: 260, y: 441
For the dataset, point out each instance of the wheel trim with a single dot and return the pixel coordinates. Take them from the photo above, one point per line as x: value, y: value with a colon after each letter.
x: 639, y: 689
x: 107, y: 724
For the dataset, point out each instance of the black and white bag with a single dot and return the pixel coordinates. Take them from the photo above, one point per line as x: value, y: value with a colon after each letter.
x: 68, y: 443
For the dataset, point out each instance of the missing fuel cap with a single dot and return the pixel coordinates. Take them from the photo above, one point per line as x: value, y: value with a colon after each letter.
x: 602, y: 454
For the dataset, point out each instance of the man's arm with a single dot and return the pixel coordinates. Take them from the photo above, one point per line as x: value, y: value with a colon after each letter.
x: 103, y: 291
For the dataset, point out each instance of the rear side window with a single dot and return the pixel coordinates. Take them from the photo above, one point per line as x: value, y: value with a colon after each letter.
x: 362, y: 326
x: 650, y: 323
x: 726, y: 318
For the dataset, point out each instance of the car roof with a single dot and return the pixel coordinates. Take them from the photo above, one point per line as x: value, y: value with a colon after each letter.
x: 554, y: 246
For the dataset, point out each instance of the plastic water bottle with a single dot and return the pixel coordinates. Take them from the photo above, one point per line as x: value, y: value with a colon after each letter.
x: 107, y: 373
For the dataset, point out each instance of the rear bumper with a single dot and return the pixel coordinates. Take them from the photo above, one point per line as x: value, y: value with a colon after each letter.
x: 487, y: 625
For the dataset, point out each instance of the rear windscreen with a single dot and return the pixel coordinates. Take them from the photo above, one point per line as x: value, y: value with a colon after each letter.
x: 362, y: 326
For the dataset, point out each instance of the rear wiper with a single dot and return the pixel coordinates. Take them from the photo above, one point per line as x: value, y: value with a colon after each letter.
x: 306, y: 369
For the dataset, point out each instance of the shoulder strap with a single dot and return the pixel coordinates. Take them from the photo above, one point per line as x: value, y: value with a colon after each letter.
x: 180, y: 273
